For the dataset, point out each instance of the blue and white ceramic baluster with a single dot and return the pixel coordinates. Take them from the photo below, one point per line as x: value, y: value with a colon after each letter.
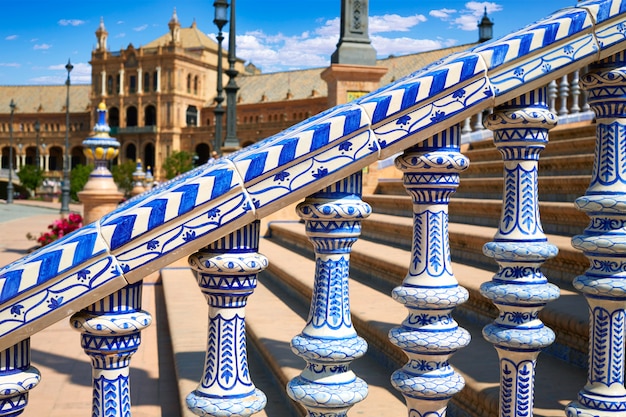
x: 604, y: 243
x: 110, y: 335
x: 227, y: 274
x: 519, y: 289
x: 429, y: 335
x: 17, y: 377
x: 328, y: 343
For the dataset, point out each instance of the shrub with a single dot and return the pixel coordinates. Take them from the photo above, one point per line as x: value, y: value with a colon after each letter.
x: 58, y: 229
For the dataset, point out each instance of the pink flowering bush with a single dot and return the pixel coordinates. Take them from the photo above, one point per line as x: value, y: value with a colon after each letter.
x: 59, y: 228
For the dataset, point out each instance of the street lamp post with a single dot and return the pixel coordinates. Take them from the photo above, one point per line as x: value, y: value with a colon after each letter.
x: 65, y: 188
x: 12, y: 105
x: 231, y: 142
x: 37, y: 129
x: 221, y: 6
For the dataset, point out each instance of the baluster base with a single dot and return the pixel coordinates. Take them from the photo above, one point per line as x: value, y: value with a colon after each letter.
x: 327, y: 399
x: 576, y: 409
x: 230, y: 406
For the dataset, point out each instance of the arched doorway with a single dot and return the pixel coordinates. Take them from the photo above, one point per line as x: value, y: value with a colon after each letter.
x: 77, y: 157
x: 150, y: 115
x: 204, y: 153
x: 5, y: 158
x: 55, y: 161
x: 131, y: 152
x: 148, y: 156
x: 131, y: 116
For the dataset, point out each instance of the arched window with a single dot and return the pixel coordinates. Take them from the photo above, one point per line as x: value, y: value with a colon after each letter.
x: 110, y: 84
x: 77, y: 157
x: 155, y: 80
x: 192, y: 116
x: 131, y: 116
x: 114, y: 117
x: 189, y: 83
x: 146, y: 82
x: 195, y: 85
x: 150, y: 115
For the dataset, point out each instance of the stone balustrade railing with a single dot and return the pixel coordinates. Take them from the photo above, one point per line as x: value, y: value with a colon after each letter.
x: 211, y: 214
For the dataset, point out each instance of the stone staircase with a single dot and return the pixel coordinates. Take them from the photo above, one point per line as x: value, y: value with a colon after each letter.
x: 278, y: 309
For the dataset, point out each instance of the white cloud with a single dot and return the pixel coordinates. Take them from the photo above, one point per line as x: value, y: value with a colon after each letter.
x: 11, y: 38
x: 404, y: 46
x: 42, y: 46
x: 10, y: 64
x: 140, y: 28
x: 120, y: 35
x: 81, y: 74
x: 393, y: 23
x: 443, y: 14
x: 71, y: 22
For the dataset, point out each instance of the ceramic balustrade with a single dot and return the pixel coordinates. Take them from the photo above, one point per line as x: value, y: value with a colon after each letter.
x: 329, y: 343
x: 604, y: 243
x: 17, y: 378
x: 429, y: 335
x: 418, y: 114
x: 519, y: 289
x: 226, y: 272
x: 110, y: 335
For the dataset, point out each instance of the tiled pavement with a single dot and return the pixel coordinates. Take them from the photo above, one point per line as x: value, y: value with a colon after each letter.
x: 65, y: 387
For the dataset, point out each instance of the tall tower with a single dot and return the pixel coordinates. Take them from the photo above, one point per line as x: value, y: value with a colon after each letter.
x: 101, y: 35
x: 174, y: 26
x: 485, y: 28
x: 353, y: 71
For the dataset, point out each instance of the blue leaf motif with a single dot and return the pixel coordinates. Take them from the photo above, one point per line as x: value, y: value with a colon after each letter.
x: 568, y: 49
x: 125, y: 268
x: 321, y: 172
x: 16, y: 310
x: 459, y: 93
x: 189, y: 236
x: 518, y: 72
x: 345, y: 146
x: 55, y: 302
x: 281, y: 176
x: 438, y: 116
x: 546, y: 67
x: 213, y: 213
x: 403, y: 120
x: 153, y: 244
x: 83, y: 274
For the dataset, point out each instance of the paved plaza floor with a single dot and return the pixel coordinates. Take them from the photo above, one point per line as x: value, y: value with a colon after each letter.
x: 65, y: 387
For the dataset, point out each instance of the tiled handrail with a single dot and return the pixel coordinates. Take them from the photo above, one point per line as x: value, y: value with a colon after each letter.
x: 186, y: 214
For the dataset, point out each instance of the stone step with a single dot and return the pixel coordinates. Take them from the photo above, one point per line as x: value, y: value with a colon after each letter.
x: 374, y: 313
x: 384, y: 267
x: 567, y: 145
x: 556, y: 218
x: 555, y: 188
x: 579, y: 164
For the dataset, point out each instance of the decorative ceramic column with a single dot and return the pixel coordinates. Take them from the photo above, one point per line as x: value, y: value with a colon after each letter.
x: 604, y: 243
x: 110, y: 335
x: 328, y: 343
x: 227, y: 274
x: 429, y: 335
x: 100, y: 194
x: 519, y: 289
x: 17, y: 377
x: 575, y: 90
x: 563, y: 95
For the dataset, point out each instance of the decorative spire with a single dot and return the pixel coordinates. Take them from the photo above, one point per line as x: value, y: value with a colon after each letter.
x: 101, y: 147
x: 485, y: 28
x: 101, y: 35
x: 174, y: 26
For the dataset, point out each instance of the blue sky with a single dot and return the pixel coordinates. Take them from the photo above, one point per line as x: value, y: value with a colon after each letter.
x: 37, y: 37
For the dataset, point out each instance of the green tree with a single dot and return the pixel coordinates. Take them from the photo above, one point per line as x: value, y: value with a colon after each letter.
x: 123, y: 176
x: 31, y: 177
x: 177, y: 163
x: 78, y: 178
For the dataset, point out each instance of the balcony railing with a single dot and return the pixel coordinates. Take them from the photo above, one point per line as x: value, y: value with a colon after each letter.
x: 211, y: 214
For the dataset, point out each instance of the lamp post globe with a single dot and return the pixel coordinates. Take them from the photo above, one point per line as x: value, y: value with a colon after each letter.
x: 65, y: 187
x: 12, y: 105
